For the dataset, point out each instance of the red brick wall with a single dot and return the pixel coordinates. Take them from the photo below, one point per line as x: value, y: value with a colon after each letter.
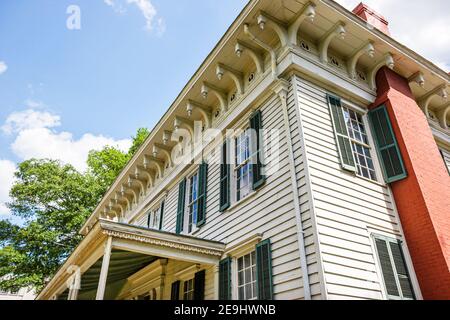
x: 422, y: 199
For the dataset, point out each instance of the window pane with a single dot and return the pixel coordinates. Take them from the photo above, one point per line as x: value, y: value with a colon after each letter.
x: 246, y: 276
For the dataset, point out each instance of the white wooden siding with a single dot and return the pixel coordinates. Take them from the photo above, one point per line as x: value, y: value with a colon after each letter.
x: 270, y: 211
x: 345, y: 206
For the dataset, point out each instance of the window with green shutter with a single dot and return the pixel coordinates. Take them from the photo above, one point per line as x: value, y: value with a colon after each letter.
x: 199, y: 285
x: 202, y: 190
x: 396, y: 277
x: 341, y: 134
x: 175, y: 290
x: 387, y: 147
x: 256, y: 149
x: 264, y: 270
x: 225, y: 279
x: 224, y: 178
x: 181, y: 205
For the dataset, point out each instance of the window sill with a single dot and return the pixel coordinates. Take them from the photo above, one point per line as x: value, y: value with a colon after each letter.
x: 242, y: 201
x: 380, y: 184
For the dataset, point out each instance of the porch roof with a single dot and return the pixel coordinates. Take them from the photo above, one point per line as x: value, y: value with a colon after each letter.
x: 133, y: 248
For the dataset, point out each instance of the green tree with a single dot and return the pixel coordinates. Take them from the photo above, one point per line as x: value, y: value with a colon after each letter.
x: 52, y: 201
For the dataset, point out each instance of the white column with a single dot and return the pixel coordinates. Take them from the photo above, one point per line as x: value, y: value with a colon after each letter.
x: 75, y: 285
x: 104, y: 270
x: 216, y: 282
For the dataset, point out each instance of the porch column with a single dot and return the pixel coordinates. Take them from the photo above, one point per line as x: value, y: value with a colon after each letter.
x: 75, y: 285
x: 422, y: 198
x: 216, y: 282
x: 104, y: 270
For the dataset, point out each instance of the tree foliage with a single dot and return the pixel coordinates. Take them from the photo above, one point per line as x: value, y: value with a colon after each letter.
x: 52, y: 200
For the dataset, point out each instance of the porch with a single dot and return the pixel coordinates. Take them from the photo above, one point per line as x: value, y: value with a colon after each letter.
x: 120, y: 261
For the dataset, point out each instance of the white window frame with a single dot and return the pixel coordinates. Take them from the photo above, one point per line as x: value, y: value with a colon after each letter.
x: 373, y: 153
x: 187, y: 203
x: 191, y: 291
x: 155, y: 211
x: 235, y: 275
x: 235, y: 167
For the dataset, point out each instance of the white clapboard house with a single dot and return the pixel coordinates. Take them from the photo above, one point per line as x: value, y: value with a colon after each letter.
x: 275, y: 174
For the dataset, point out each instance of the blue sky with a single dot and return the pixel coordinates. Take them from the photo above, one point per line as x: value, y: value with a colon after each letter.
x: 64, y: 92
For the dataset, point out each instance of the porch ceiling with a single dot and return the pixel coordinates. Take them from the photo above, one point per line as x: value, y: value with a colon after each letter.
x: 122, y: 265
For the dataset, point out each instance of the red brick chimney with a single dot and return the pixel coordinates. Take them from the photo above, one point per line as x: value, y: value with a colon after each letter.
x: 372, y: 17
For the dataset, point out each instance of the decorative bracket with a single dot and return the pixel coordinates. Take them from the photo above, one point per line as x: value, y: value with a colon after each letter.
x: 160, y: 148
x: 308, y: 12
x: 158, y: 163
x: 442, y: 114
x: 219, y: 93
x: 388, y: 61
x: 132, y: 179
x: 265, y: 46
x: 205, y: 111
x: 425, y: 100
x: 338, y: 30
x: 123, y: 193
x: 264, y: 19
x: 418, y: 78
x: 366, y: 48
x: 166, y: 136
x: 254, y: 53
x: 180, y: 122
x: 236, y: 75
x: 140, y: 172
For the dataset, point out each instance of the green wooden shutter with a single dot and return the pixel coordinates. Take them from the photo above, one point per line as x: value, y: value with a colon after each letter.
x: 402, y: 271
x: 224, y: 179
x: 387, y: 147
x: 386, y: 268
x: 199, y: 285
x: 181, y: 203
x: 175, y: 290
x: 395, y: 272
x: 225, y: 279
x: 344, y: 144
x: 202, y: 190
x: 264, y: 270
x: 161, y: 216
x: 256, y: 149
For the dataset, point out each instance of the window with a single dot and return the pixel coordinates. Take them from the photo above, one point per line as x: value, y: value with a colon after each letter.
x: 155, y: 217
x: 360, y: 144
x: 193, y: 201
x: 191, y: 210
x: 396, y: 277
x: 246, y: 269
x: 188, y: 290
x: 243, y: 170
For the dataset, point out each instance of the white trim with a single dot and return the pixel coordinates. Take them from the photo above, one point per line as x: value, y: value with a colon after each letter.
x: 244, y: 245
x: 312, y: 208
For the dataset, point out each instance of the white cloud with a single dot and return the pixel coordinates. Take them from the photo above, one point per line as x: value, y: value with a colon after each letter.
x: 3, y: 67
x: 146, y: 8
x: 36, y: 137
x: 29, y: 119
x: 7, y: 169
x: 45, y: 143
x: 423, y: 28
